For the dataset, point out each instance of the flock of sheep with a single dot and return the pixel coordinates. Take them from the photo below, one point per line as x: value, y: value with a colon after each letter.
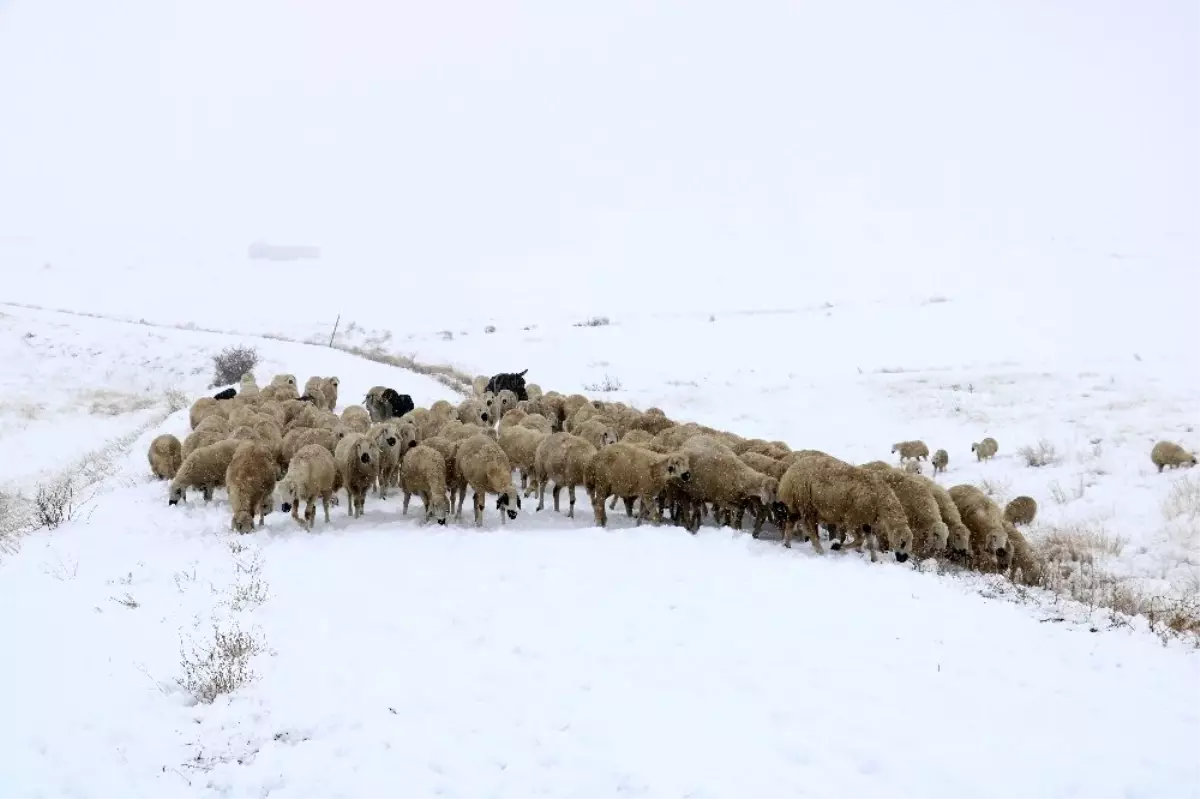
x: 257, y: 442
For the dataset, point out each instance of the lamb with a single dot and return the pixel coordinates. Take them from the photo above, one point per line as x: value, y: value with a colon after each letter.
x: 387, y: 438
x: 599, y: 433
x: 563, y: 458
x: 356, y: 419
x: 959, y: 541
x: 819, y: 489
x: 357, y: 459
x: 249, y: 388
x: 920, y: 508
x: 166, y: 455
x: 535, y: 421
x: 911, y: 450
x: 423, y: 472
x: 520, y: 446
x: 626, y: 470
x: 719, y: 477
x: 203, y: 407
x: 311, y: 474
x: 250, y: 477
x: 481, y: 464
x: 985, y: 449
x: 203, y: 469
x: 1021, y: 510
x: 989, y: 540
x: 1168, y: 453
x: 940, y: 460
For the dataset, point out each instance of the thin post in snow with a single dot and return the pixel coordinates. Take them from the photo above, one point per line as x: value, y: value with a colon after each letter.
x: 335, y: 327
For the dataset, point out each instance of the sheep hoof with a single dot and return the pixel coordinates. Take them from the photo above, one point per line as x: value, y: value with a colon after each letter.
x: 835, y: 546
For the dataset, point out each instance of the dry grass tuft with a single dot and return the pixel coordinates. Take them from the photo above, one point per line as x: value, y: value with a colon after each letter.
x: 998, y: 490
x: 1183, y: 499
x: 609, y: 383
x: 1039, y: 455
x: 221, y: 667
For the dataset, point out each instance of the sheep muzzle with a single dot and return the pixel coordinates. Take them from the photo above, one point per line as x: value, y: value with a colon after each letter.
x: 901, y: 557
x: 365, y: 458
x: 285, y: 507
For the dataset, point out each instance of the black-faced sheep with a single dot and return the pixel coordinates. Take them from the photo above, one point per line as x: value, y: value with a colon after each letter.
x: 250, y: 478
x: 481, y: 464
x: 985, y: 449
x: 1168, y: 453
x: 940, y: 460
x: 423, y: 472
x: 311, y: 473
x: 514, y: 382
x: 357, y: 460
x: 166, y: 456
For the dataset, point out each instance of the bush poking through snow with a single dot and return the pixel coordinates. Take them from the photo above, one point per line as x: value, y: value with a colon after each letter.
x: 54, y: 503
x: 176, y: 400
x: 490, y: 329
x: 220, y: 668
x: 595, y: 321
x: 1043, y: 454
x: 231, y: 363
x: 1182, y: 500
x: 609, y: 383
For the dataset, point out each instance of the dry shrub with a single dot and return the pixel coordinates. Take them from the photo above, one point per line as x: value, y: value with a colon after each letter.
x: 1078, y: 542
x: 54, y: 503
x: 175, y: 400
x: 1042, y: 454
x: 1063, y: 496
x: 220, y: 668
x: 997, y: 490
x: 231, y: 363
x: 609, y: 383
x: 595, y: 321
x: 1183, y: 499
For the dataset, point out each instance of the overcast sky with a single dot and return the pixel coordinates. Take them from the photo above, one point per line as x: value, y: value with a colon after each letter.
x: 642, y: 138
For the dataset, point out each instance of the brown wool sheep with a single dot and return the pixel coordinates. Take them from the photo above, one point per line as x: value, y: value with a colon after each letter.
x: 930, y: 532
x: 940, y: 460
x: 719, y: 477
x: 448, y: 450
x: 764, y: 464
x: 959, y: 540
x: 479, y: 385
x: 504, y: 402
x: 294, y: 441
x: 331, y: 391
x: 443, y: 410
x: 1021, y: 510
x: 985, y: 449
x: 552, y: 405
x: 533, y: 391
x: 247, y: 386
x: 627, y: 470
x: 597, y: 431
x: 989, y: 540
x: 203, y: 469
x: 520, y: 446
x: 357, y: 459
x: 912, y: 467
x: 638, y: 437
x: 278, y: 392
x: 824, y: 490
x: 311, y: 473
x: 386, y: 436
x: 1168, y: 453
x: 356, y: 419
x: 204, y: 407
x: 474, y: 412
x: 1026, y: 566
x: 482, y: 465
x: 320, y: 400
x: 250, y: 478
x: 244, y: 433
x: 200, y: 438
x: 563, y: 459
x: 573, y: 403
x: 535, y: 421
x: 457, y: 431
x: 513, y: 418
x: 166, y: 456
x: 423, y: 472
x: 911, y: 450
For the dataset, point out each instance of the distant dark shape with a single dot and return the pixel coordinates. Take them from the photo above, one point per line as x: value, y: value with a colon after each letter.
x: 513, y: 381
x: 228, y: 393
x: 400, y: 403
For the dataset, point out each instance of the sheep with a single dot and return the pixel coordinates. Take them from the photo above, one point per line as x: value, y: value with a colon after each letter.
x: 244, y: 433
x: 225, y: 394
x: 356, y: 419
x: 920, y: 508
x: 201, y: 438
x: 581, y: 415
x: 457, y: 431
x: 505, y: 401
x: 296, y: 440
x: 248, y: 387
x: 718, y: 476
x: 331, y: 391
x: 384, y: 403
x: 1168, y: 453
x: 597, y: 432
x: 638, y: 437
x: 311, y: 473
x: 214, y: 422
x: 481, y: 464
x: 911, y: 450
x: 985, y: 449
x: 165, y: 455
x: 573, y: 403
x: 818, y: 489
x: 474, y: 412
x: 203, y: 469
x: 564, y: 459
x: 443, y: 411
x: 479, y: 385
x: 552, y: 406
x: 533, y: 391
x: 912, y: 467
x: 204, y: 407
x: 387, y: 438
x: 279, y: 391
x: 423, y: 472
x: 989, y: 540
x: 535, y: 421
x: 317, y: 396
x: 1024, y: 561
x: 284, y: 380
x: 959, y: 540
x: 512, y: 418
x: 520, y: 446
x: 626, y: 470
x: 764, y: 464
x: 512, y: 381
x: 250, y: 478
x: 448, y: 450
x: 1021, y: 510
x: 357, y: 459
x: 940, y: 460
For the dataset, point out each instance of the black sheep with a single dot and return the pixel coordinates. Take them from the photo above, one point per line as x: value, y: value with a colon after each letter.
x: 228, y: 393
x: 514, y: 382
x: 400, y: 403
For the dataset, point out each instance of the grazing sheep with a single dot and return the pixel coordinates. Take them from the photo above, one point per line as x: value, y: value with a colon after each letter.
x: 479, y: 385
x: 564, y: 459
x: 1168, y: 453
x: 225, y: 394
x: 201, y: 438
x: 911, y: 450
x: 818, y: 489
x: 1024, y: 561
x: 597, y: 432
x: 985, y: 449
x: 248, y: 386
x: 920, y: 508
x: 481, y: 464
x: 626, y: 470
x: 514, y: 382
x: 423, y: 472
x: 357, y: 459
x: 989, y: 540
x: 356, y: 419
x: 203, y: 407
x: 719, y: 477
x: 311, y: 473
x: 535, y: 421
x: 166, y: 455
x: 1021, y: 510
x: 533, y: 391
x: 940, y: 460
x: 386, y: 436
x: 203, y: 469
x: 250, y: 478
x: 520, y: 446
x: 959, y: 540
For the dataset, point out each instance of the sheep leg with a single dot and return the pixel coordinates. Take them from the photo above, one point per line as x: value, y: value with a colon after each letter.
x: 598, y: 497
x: 628, y: 505
x: 310, y: 513
x: 571, y: 495
x: 407, y: 497
x: 556, y: 493
x: 296, y: 509
x: 325, y: 506
x: 613, y: 504
x: 207, y: 491
x: 541, y: 492
x: 477, y: 500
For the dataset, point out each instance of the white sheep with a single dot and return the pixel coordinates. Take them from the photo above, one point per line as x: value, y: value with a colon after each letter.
x: 311, y: 474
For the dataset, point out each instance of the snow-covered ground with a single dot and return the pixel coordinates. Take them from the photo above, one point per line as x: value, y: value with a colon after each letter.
x: 550, y: 657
